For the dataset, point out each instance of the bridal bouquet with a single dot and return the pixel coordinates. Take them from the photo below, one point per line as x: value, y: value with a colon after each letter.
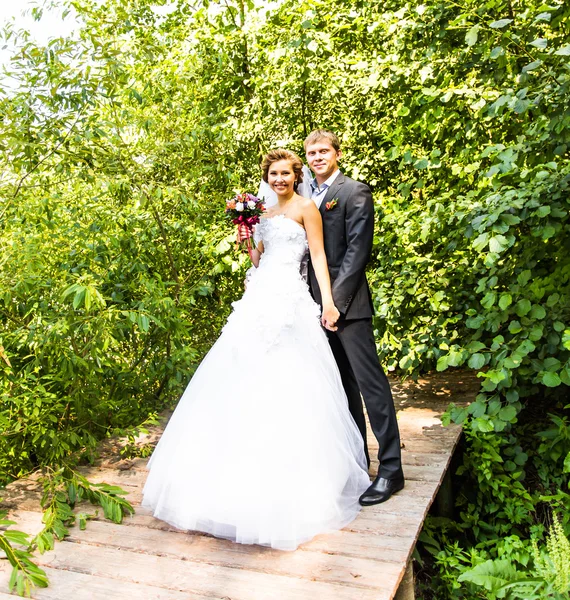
x: 244, y: 211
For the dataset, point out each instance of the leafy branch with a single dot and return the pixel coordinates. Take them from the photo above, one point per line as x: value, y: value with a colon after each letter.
x: 25, y: 574
x: 40, y: 162
x: 63, y: 489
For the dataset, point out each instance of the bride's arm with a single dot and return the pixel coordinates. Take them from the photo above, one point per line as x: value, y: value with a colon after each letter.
x: 313, y: 224
x: 255, y: 254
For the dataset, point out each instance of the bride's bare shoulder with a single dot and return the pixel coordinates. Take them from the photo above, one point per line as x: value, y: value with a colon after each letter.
x: 306, y: 205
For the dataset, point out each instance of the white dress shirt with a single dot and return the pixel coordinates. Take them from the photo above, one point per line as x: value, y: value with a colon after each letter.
x: 320, y: 191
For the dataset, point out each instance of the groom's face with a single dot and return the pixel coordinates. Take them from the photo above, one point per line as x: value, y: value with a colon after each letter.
x: 322, y: 159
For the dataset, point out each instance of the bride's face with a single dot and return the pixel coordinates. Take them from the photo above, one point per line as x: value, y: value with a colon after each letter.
x: 281, y: 177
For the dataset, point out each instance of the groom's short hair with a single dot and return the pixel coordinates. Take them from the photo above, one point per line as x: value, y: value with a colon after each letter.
x: 322, y: 134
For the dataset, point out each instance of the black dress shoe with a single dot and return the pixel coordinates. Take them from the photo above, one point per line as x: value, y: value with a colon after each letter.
x: 380, y: 490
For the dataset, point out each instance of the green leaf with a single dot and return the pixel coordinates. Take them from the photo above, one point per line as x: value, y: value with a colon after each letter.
x: 498, y: 243
x: 531, y: 66
x: 496, y: 52
x: 508, y: 413
x: 484, y: 425
x: 566, y: 339
x: 551, y: 363
x: 515, y: 327
x: 459, y: 414
x: 535, y: 333
x: 524, y: 277
x: 476, y: 361
x: 512, y: 396
x: 481, y: 241
x: 522, y: 307
x: 491, y: 574
x: 553, y: 300
x: 476, y: 322
x: 539, y: 43
x: 478, y: 409
x: 524, y: 348
x: 500, y: 23
x: 471, y: 36
x: 442, y: 363
x: 566, y: 468
x: 505, y: 300
x: 489, y: 299
x: 497, y: 375
x: 564, y: 51
x: 551, y: 379
x: 512, y: 362
x: 79, y: 297
x: 475, y: 346
x: 537, y: 312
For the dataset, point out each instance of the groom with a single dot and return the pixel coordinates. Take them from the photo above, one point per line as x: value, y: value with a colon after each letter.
x: 348, y: 228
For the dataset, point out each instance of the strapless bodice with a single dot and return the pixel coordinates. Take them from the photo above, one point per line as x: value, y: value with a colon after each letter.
x: 284, y: 241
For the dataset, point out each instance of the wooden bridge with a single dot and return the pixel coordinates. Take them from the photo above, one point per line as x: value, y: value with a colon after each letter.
x: 147, y: 559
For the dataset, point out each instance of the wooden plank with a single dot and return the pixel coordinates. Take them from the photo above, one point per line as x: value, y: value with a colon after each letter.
x: 371, y: 519
x: 205, y: 549
x: 174, y: 574
x: 422, y: 459
x: 5, y: 596
x: 362, y: 545
x: 79, y: 586
x: 423, y: 472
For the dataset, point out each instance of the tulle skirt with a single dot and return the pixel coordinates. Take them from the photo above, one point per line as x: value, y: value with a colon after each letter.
x: 261, y: 448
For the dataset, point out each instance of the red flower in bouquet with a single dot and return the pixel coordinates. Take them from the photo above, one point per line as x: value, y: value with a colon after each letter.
x: 244, y: 211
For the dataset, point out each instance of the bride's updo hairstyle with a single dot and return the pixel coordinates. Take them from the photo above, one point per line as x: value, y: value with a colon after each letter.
x: 282, y: 154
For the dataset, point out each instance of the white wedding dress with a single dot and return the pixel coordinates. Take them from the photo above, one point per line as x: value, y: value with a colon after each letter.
x: 261, y: 448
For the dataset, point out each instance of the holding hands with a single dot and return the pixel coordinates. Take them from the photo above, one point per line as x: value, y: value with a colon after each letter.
x: 330, y: 316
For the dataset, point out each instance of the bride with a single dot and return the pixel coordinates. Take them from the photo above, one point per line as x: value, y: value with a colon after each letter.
x: 261, y: 448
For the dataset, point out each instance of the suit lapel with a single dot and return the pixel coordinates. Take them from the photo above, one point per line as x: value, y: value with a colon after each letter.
x: 331, y: 192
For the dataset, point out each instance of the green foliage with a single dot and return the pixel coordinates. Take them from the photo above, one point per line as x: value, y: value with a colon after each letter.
x: 555, y: 448
x: 25, y: 574
x: 117, y: 270
x: 64, y: 489
x: 549, y: 576
x: 505, y: 497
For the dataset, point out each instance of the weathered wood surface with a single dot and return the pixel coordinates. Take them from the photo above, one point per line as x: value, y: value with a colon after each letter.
x: 147, y: 559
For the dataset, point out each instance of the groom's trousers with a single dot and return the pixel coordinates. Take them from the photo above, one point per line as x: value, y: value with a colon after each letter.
x: 354, y: 349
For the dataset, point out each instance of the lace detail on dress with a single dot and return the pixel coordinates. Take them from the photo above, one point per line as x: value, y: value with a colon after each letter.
x: 277, y: 296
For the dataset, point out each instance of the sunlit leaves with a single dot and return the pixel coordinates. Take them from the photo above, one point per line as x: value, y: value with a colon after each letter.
x: 111, y: 299
x: 540, y: 43
x: 472, y: 35
x: 500, y: 23
x: 564, y: 51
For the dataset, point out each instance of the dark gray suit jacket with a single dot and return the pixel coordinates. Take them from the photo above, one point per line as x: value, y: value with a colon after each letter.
x: 348, y: 230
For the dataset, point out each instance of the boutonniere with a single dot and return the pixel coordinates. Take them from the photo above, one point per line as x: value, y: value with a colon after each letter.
x: 330, y: 205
